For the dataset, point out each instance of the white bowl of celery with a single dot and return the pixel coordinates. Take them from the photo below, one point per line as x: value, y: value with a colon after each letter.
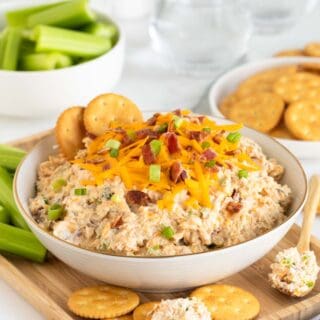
x: 56, y: 55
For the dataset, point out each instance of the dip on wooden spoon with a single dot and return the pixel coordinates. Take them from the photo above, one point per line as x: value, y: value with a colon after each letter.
x: 295, y: 270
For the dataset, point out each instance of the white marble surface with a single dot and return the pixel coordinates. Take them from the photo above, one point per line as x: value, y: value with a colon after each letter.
x: 153, y: 87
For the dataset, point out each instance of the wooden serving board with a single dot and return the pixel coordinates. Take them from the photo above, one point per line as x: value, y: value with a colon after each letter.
x: 47, y: 286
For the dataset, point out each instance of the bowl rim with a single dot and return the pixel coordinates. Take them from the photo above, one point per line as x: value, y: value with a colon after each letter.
x: 267, y: 63
x: 50, y: 237
x: 119, y: 43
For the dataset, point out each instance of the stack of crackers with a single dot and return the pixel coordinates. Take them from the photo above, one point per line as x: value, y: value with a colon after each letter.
x: 310, y: 50
x: 224, y: 302
x: 282, y: 101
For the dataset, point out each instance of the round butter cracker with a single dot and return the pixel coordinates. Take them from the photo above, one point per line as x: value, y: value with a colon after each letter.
x: 102, y: 302
x: 70, y: 131
x: 144, y: 311
x: 290, y: 53
x: 108, y: 108
x: 312, y: 49
x: 302, y: 85
x: 302, y: 118
x: 261, y: 111
x: 226, y: 302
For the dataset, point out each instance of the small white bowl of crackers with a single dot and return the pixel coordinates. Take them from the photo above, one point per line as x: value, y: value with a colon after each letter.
x: 277, y: 96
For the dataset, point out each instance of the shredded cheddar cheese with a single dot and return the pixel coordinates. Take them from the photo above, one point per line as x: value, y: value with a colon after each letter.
x: 184, y: 152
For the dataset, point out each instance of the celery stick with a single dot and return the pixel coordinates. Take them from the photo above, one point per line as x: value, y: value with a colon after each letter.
x: 26, y: 47
x: 7, y: 200
x: 45, y: 61
x: 107, y: 30
x: 18, y: 18
x: 4, y: 215
x: 11, y: 50
x: 10, y: 157
x: 73, y: 43
x: 3, y: 40
x: 71, y: 14
x: 21, y: 243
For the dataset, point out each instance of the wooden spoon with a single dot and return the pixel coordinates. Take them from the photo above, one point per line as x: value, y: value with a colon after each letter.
x: 295, y: 271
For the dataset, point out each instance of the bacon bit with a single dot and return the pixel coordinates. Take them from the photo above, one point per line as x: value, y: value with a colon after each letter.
x: 231, y: 152
x: 229, y: 165
x: 106, y: 167
x: 201, y: 118
x: 177, y: 112
x: 208, y: 155
x: 189, y: 148
x: 152, y: 121
x: 136, y: 197
x: 217, y: 138
x: 197, y: 135
x: 143, y: 133
x: 177, y: 172
x: 117, y: 222
x: 172, y: 142
x: 233, y: 207
x: 126, y: 140
x: 147, y: 154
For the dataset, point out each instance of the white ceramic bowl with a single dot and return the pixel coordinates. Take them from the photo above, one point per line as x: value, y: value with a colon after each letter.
x: 43, y: 93
x: 163, y: 273
x: 229, y: 82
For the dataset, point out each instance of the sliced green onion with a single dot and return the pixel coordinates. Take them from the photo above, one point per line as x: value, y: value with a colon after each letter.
x: 154, y: 172
x: 19, y: 17
x: 115, y: 198
x: 132, y: 134
x: 177, y: 121
x: 243, y: 173
x: 210, y: 164
x: 55, y: 211
x: 206, y: 130
x: 234, y: 137
x: 80, y: 191
x: 167, y: 232
x: 113, y: 144
x: 155, y: 146
x: 7, y: 200
x: 69, y: 14
x: 114, y: 153
x: 4, y: 215
x: 108, y: 30
x: 310, y: 284
x: 10, y: 157
x: 69, y: 42
x: 205, y: 144
x: 45, y: 61
x: 11, y: 49
x: 162, y: 128
x: 58, y: 184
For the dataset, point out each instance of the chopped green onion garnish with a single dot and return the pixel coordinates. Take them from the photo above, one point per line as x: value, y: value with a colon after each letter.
x: 114, y: 153
x: 154, y: 173
x: 55, y: 211
x: 205, y: 144
x: 243, y: 173
x: 115, y: 198
x: 58, y: 184
x: 80, y: 191
x: 155, y: 146
x: 132, y: 134
x: 210, y: 164
x: 206, y: 130
x: 113, y: 144
x: 177, y: 121
x: 310, y: 284
x: 167, y: 232
x: 234, y: 137
x: 162, y: 128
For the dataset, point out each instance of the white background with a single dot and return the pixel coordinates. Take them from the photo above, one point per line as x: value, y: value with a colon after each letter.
x: 153, y: 87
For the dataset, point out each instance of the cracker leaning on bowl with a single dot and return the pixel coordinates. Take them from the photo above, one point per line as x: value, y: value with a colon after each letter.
x: 281, y: 101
